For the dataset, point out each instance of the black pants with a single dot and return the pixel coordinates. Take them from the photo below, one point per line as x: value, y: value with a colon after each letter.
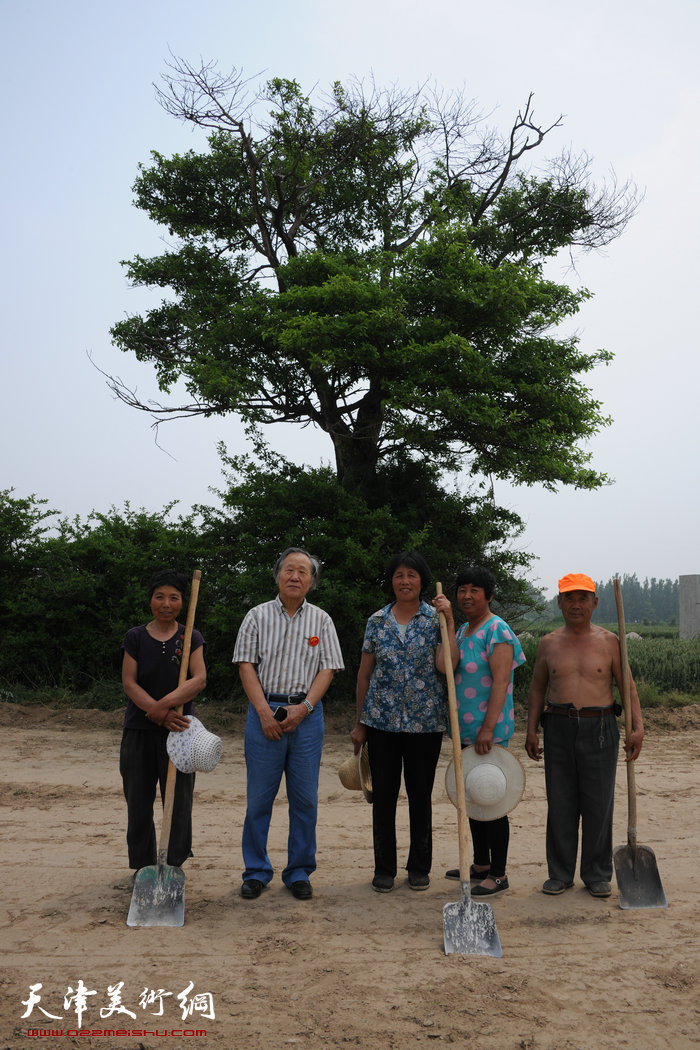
x: 490, y: 839
x: 417, y: 754
x: 143, y: 764
x: 580, y: 761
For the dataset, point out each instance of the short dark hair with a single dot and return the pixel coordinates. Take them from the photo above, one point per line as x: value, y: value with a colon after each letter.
x: 167, y: 578
x: 478, y: 576
x: 412, y: 560
x: 315, y: 564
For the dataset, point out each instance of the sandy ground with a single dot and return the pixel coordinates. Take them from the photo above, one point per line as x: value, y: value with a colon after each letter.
x: 352, y: 968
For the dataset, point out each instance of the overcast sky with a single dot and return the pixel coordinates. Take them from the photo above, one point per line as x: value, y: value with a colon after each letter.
x: 80, y: 114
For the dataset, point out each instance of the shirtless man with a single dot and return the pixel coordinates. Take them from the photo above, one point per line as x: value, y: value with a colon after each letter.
x: 577, y: 664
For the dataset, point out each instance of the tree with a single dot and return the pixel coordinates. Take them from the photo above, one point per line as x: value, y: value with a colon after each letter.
x: 372, y: 263
x: 22, y: 524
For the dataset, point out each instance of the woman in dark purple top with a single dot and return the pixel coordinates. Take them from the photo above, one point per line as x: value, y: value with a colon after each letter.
x: 150, y: 673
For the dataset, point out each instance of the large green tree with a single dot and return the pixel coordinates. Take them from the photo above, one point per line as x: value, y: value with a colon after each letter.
x: 373, y: 262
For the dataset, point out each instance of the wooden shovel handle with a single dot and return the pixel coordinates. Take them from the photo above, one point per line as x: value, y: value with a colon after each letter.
x: 169, y: 800
x: 460, y: 789
x: 626, y: 703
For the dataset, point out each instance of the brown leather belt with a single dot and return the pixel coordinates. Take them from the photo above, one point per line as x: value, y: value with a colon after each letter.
x: 578, y: 712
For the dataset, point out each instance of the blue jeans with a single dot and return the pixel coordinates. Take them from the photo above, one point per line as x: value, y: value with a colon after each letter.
x: 298, y: 756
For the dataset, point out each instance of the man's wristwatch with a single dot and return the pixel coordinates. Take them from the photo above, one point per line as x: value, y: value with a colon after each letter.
x: 308, y: 705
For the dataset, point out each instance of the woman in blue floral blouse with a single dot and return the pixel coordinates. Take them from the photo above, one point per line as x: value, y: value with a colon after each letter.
x: 401, y: 712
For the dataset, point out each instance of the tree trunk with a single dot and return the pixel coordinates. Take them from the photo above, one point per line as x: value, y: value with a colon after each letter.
x: 356, y: 449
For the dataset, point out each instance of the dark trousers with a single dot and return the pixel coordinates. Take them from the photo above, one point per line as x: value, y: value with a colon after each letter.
x: 580, y: 760
x: 417, y: 754
x: 143, y: 764
x: 490, y: 840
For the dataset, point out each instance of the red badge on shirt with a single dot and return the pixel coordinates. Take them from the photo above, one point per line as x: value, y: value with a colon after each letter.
x: 313, y: 641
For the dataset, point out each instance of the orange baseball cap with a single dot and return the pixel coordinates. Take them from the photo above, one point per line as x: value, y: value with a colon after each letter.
x: 576, y: 581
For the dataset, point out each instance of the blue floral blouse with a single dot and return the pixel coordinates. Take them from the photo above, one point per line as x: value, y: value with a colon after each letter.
x: 406, y: 693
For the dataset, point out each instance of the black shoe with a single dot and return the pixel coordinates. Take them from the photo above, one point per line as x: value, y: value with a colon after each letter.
x: 599, y: 889
x: 251, y: 889
x: 554, y: 887
x: 302, y: 890
x: 417, y: 881
x: 485, y: 891
x: 383, y: 883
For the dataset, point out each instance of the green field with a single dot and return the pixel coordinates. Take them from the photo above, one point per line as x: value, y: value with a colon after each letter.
x: 666, y: 670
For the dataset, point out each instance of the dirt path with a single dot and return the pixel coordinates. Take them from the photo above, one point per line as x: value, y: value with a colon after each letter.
x: 352, y: 967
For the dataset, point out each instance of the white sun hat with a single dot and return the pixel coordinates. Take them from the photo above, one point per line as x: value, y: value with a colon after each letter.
x: 195, y: 749
x: 494, y: 782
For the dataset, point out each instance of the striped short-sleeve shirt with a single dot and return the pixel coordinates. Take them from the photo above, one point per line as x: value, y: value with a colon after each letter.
x: 288, y: 652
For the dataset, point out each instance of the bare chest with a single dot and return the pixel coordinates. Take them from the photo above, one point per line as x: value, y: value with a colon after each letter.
x: 580, y: 669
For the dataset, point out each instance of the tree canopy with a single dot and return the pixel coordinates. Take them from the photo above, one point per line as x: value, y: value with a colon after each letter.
x: 372, y: 262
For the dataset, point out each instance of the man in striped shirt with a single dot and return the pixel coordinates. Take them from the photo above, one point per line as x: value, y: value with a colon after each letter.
x: 287, y: 652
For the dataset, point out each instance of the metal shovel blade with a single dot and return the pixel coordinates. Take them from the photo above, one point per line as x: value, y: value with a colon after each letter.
x: 638, y: 878
x: 470, y: 928
x: 158, y: 898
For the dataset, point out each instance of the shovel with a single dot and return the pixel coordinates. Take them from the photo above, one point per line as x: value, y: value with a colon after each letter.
x: 158, y: 897
x: 636, y: 872
x: 469, y: 927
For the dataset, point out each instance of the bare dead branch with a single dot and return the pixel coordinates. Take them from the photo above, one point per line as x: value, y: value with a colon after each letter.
x: 525, y: 136
x: 203, y: 96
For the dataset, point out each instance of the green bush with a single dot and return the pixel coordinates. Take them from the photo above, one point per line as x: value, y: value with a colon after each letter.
x: 70, y: 594
x: 650, y: 696
x: 70, y: 597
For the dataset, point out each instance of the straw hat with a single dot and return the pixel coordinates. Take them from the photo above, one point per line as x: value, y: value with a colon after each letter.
x: 355, y: 774
x: 195, y: 749
x: 494, y: 782
x: 349, y: 773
